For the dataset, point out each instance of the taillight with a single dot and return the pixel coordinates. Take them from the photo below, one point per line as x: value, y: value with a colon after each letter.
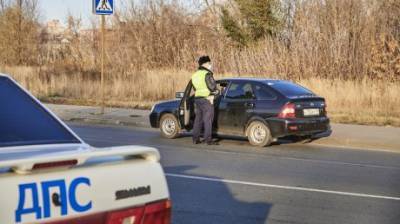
x: 154, y: 213
x: 126, y: 216
x: 158, y: 213
x: 325, y: 107
x: 288, y: 111
x: 47, y: 165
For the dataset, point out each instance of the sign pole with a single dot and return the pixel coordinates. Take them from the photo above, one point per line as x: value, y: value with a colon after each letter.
x: 102, y: 63
x: 103, y: 8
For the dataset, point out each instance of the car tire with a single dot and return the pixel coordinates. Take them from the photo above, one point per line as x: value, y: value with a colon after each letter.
x: 259, y: 134
x: 169, y: 126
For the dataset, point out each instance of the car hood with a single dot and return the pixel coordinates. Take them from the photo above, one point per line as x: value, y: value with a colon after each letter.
x: 169, y: 103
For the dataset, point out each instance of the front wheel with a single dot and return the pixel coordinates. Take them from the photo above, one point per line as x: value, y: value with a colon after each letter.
x: 259, y: 134
x: 169, y: 126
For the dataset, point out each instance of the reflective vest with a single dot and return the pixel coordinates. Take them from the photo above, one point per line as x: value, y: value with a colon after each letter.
x: 199, y: 83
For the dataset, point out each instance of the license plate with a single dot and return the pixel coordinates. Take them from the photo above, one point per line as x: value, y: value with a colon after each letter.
x: 311, y: 112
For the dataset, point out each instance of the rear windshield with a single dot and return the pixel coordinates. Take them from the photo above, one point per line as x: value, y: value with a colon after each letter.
x: 290, y: 89
x: 25, y: 122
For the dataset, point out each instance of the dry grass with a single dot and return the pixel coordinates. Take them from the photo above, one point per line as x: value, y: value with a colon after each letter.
x: 361, y: 102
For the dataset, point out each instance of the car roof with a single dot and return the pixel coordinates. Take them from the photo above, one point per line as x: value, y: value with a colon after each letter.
x: 252, y: 79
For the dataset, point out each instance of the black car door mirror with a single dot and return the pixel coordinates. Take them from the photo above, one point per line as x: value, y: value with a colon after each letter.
x: 179, y: 95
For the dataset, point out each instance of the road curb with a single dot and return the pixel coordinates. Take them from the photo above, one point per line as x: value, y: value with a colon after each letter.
x: 108, y: 122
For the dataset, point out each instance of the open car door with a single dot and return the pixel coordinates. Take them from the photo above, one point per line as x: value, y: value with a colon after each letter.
x: 186, y: 107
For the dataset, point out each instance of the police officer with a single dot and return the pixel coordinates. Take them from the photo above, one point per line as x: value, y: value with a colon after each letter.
x: 205, y: 88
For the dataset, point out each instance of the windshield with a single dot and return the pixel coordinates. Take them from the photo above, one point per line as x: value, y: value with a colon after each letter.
x: 25, y: 122
x: 290, y: 89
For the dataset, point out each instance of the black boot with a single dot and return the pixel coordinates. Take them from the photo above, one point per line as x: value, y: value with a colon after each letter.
x: 196, y: 142
x: 213, y: 143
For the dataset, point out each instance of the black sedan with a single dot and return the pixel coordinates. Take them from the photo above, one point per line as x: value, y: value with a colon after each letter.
x: 262, y: 110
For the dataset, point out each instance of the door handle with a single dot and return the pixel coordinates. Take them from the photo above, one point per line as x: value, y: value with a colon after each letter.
x: 249, y: 105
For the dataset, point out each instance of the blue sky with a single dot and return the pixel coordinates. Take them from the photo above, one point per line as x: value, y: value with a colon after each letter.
x: 58, y: 9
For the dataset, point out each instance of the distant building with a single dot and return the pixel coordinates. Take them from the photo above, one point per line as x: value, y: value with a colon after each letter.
x: 54, y: 27
x: 55, y: 40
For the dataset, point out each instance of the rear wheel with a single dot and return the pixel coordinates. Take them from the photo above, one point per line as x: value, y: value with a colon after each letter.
x: 169, y: 126
x: 259, y: 134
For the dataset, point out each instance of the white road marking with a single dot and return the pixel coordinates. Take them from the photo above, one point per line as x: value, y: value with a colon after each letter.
x: 282, y: 187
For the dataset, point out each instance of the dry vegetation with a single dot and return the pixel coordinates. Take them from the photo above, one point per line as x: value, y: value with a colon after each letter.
x: 360, y: 102
x: 345, y: 50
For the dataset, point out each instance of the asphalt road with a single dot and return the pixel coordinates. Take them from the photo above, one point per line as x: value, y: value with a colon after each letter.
x: 286, y: 183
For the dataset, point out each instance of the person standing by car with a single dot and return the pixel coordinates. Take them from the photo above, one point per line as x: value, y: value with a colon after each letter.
x: 205, y: 88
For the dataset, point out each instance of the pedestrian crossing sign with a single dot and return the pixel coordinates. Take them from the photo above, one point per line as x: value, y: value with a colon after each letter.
x: 103, y: 7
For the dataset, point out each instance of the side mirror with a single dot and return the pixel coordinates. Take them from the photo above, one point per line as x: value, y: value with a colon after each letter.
x: 179, y: 95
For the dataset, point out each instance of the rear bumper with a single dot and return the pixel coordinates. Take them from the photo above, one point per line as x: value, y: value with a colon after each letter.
x: 141, y: 212
x: 316, y: 127
x: 326, y: 133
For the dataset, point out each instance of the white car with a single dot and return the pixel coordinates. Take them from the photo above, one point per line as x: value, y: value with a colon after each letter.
x: 49, y: 175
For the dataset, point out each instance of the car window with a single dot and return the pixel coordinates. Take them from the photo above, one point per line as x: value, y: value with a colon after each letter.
x: 262, y: 92
x: 25, y: 122
x: 290, y: 89
x: 240, y: 91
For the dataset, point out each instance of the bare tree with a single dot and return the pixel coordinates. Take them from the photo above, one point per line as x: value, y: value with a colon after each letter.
x: 19, y: 32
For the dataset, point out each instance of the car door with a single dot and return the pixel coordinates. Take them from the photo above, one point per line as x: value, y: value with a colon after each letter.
x: 236, y: 107
x: 186, y: 107
x: 267, y: 103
